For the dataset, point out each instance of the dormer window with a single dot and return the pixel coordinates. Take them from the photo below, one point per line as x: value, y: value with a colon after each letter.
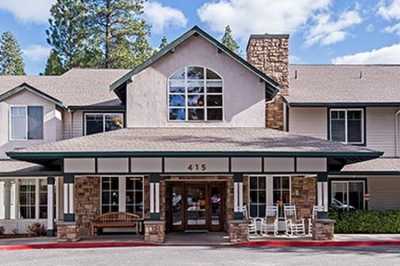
x: 195, y: 94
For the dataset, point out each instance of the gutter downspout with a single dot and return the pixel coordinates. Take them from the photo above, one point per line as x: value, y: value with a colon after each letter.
x: 396, y: 136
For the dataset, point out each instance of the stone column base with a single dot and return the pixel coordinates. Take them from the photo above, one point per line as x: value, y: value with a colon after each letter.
x: 238, y: 231
x: 323, y: 229
x: 154, y: 231
x: 68, y: 232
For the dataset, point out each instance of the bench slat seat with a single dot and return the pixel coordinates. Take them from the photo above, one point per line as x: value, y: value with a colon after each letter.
x: 116, y: 219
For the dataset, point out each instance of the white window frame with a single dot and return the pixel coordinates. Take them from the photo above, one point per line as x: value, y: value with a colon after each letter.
x: 104, y: 120
x: 27, y: 122
x: 266, y: 188
x: 346, y: 110
x: 37, y: 199
x: 122, y: 192
x: 187, y: 107
x: 347, y: 182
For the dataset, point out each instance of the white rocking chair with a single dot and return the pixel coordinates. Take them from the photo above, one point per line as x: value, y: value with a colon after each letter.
x: 255, y: 228
x: 270, y: 224
x: 294, y: 227
x: 315, y: 211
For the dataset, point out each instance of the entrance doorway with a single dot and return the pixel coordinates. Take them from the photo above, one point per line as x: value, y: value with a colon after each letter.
x: 195, y: 206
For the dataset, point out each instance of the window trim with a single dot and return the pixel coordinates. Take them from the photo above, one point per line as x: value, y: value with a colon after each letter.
x: 266, y: 189
x: 85, y: 114
x: 27, y: 121
x: 346, y: 110
x: 186, y: 107
x: 122, y: 192
x: 348, y: 180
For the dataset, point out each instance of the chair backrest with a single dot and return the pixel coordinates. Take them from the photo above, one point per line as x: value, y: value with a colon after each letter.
x: 289, y: 212
x: 258, y: 222
x: 271, y: 211
x: 117, y: 217
x: 316, y: 209
x: 245, y: 213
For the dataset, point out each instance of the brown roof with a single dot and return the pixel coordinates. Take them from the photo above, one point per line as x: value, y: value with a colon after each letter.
x: 75, y: 87
x: 330, y: 84
x: 377, y: 165
x: 233, y: 140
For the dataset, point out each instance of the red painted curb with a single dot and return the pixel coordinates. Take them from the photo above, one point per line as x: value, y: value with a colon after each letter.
x: 70, y: 245
x: 299, y: 243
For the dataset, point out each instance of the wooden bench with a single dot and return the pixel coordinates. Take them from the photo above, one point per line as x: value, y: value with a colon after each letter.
x: 116, y: 220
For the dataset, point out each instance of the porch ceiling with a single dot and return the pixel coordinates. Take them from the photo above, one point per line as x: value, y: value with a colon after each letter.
x: 195, y: 142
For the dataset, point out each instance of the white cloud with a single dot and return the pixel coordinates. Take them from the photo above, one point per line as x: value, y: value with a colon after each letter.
x: 161, y: 17
x: 385, y: 55
x: 37, y: 11
x: 393, y: 29
x: 389, y: 11
x: 36, y: 52
x: 259, y: 16
x: 327, y: 31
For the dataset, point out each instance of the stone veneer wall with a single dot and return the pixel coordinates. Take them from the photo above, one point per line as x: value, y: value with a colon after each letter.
x: 87, y: 201
x: 304, y: 195
x: 270, y: 54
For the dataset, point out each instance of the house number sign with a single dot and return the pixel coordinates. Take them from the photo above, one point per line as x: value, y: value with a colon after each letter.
x: 196, y: 165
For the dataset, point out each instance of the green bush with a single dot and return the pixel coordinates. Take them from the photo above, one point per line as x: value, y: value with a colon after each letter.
x: 366, y: 222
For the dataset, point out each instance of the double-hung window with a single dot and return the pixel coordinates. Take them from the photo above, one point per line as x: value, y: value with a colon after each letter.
x: 347, y: 194
x: 347, y: 125
x: 27, y: 199
x: 268, y: 191
x: 99, y: 122
x: 26, y: 122
x: 123, y: 194
x: 195, y: 94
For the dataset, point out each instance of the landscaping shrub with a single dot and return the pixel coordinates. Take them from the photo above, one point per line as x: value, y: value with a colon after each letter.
x: 36, y: 229
x: 368, y: 222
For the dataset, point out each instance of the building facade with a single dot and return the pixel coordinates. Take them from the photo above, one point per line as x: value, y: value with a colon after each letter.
x: 196, y: 138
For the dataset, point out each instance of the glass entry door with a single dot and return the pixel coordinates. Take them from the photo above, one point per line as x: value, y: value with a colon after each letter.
x: 196, y: 206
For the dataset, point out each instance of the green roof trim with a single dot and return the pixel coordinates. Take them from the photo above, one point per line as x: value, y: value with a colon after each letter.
x: 26, y: 86
x: 196, y: 30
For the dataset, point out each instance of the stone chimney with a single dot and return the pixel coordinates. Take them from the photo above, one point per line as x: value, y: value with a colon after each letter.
x: 270, y: 54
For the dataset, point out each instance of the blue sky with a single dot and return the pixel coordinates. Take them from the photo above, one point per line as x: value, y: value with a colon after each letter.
x: 322, y: 31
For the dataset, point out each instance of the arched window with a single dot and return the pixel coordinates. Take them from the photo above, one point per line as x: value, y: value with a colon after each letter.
x: 195, y: 94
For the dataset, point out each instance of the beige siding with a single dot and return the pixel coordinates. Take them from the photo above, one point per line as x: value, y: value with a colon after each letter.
x: 384, y: 192
x: 52, y: 119
x: 73, y: 124
x: 308, y: 121
x: 244, y: 94
x: 381, y: 129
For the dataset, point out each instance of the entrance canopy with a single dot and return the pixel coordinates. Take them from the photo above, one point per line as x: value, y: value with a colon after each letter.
x: 195, y: 150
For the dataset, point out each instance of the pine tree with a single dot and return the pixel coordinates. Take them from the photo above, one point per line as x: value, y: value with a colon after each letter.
x: 229, y: 41
x: 11, y: 61
x: 54, y: 65
x: 164, y: 42
x: 68, y: 34
x: 120, y: 31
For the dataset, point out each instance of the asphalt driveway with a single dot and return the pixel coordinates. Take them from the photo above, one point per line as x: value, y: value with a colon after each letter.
x: 175, y: 256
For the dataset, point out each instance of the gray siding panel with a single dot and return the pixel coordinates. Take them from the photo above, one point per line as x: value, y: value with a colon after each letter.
x: 308, y: 121
x: 384, y: 192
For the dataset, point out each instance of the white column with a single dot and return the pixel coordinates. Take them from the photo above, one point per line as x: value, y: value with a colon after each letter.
x: 238, y: 196
x: 322, y: 191
x: 7, y: 199
x: 154, y: 196
x: 50, y: 205
x: 69, y: 211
